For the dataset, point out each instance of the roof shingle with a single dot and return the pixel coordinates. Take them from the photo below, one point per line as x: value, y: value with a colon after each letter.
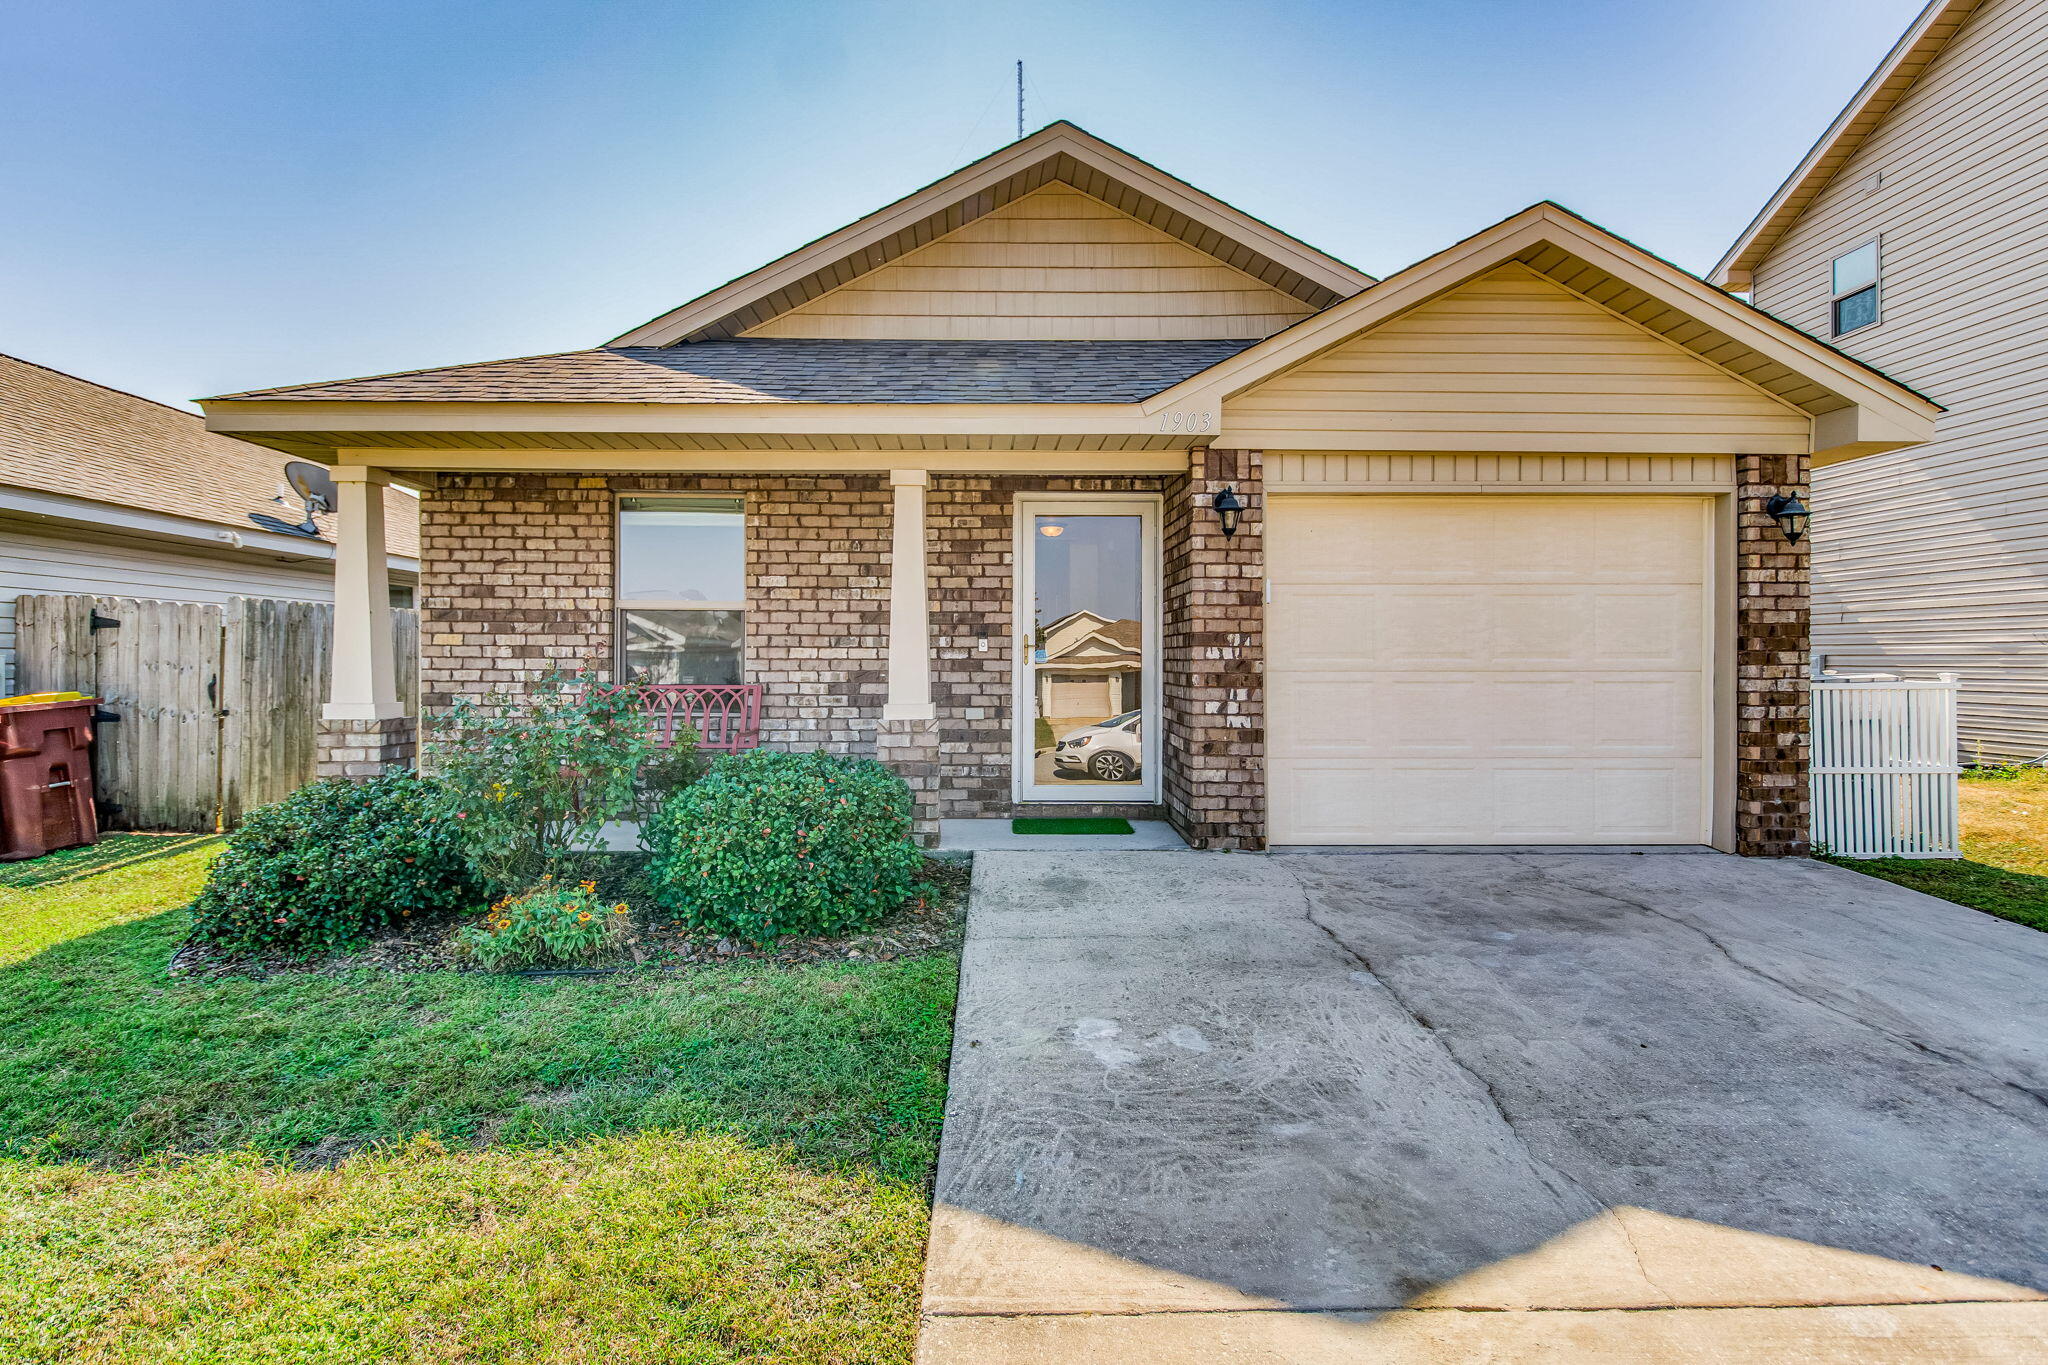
x: 801, y: 370
x: 63, y: 434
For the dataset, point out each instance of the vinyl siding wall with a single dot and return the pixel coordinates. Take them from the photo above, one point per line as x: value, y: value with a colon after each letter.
x: 36, y: 563
x: 1937, y: 558
x: 1513, y: 362
x: 1055, y: 265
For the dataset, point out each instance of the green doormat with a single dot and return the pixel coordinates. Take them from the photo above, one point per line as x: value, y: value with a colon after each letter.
x: 1083, y: 825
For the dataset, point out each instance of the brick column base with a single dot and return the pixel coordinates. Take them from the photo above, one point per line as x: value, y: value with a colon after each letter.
x: 359, y: 750
x: 911, y: 748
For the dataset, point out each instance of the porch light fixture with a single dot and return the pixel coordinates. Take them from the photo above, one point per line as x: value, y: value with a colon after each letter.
x: 1227, y: 507
x: 1791, y: 515
x: 1052, y: 530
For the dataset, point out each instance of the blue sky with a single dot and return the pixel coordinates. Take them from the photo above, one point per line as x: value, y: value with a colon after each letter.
x: 198, y: 196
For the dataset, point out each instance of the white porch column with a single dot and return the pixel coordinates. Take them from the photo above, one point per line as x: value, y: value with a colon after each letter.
x: 365, y: 679
x: 910, y: 621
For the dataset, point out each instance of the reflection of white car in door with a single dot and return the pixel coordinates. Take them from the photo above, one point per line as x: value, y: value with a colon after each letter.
x: 1107, y: 751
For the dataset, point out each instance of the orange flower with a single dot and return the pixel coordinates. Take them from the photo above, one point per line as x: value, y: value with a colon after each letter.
x: 588, y: 886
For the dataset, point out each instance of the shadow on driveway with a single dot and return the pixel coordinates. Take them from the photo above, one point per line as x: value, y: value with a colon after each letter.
x: 1194, y: 1095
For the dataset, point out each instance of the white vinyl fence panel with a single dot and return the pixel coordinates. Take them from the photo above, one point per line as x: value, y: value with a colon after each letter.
x: 1885, y: 768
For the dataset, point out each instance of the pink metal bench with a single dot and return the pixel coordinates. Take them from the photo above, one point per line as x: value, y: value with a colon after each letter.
x: 726, y: 716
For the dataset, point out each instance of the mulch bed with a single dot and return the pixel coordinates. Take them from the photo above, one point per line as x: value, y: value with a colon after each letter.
x: 932, y: 921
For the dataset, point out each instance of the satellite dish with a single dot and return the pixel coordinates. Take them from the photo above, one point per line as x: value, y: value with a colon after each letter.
x: 310, y: 485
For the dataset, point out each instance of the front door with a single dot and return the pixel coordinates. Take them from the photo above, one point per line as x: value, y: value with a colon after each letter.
x: 1087, y: 614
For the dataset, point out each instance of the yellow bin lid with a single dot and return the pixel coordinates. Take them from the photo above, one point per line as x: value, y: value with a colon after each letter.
x: 35, y: 698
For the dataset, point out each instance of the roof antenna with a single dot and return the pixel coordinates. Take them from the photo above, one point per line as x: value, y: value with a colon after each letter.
x: 1020, y: 99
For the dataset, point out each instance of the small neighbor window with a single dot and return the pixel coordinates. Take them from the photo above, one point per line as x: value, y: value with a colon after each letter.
x: 1853, y: 288
x: 682, y: 589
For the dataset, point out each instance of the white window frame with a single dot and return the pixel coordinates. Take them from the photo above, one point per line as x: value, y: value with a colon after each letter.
x: 1025, y: 788
x: 622, y: 605
x: 1876, y: 243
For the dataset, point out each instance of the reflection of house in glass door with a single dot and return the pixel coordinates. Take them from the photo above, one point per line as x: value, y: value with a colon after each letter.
x: 1087, y: 584
x: 1089, y: 669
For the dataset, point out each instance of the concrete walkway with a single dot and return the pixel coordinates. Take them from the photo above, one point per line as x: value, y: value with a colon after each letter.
x: 1422, y: 1107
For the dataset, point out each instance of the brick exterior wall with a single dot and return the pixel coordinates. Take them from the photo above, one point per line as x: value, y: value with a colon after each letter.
x: 1774, y: 710
x: 516, y: 580
x: 1215, y: 721
x: 969, y: 529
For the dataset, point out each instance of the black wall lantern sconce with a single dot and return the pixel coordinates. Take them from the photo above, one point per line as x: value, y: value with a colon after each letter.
x: 1227, y: 507
x: 1791, y: 515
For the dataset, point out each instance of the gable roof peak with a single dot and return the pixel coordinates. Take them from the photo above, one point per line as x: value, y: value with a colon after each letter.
x: 1060, y: 152
x: 1895, y: 77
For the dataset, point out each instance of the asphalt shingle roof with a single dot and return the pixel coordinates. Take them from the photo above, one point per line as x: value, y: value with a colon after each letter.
x: 802, y: 370
x: 63, y: 434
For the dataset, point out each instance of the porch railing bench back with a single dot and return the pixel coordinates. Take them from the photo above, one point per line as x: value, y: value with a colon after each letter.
x: 726, y: 716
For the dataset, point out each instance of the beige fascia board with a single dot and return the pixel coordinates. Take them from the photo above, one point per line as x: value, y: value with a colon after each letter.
x: 1854, y: 432
x: 825, y: 419
x: 1084, y: 462
x: 1919, y: 45
x: 1020, y: 156
x: 1899, y: 409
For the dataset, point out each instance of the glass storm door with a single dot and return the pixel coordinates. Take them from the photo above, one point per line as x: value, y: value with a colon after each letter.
x: 1087, y: 652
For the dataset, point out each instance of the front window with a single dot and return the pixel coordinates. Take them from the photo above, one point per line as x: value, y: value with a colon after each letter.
x: 682, y: 588
x: 1853, y: 288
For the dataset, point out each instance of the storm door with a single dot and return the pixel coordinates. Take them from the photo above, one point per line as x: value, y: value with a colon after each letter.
x: 1087, y: 616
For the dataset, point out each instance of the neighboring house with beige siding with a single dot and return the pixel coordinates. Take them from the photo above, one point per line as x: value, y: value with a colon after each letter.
x: 1915, y: 236
x: 948, y: 487
x: 106, y: 493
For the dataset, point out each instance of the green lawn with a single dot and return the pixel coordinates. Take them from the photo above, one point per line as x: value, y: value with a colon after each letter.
x: 701, y: 1166
x: 2004, y: 867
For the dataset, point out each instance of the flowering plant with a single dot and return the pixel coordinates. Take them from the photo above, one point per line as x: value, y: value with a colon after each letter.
x: 551, y: 923
x: 532, y: 776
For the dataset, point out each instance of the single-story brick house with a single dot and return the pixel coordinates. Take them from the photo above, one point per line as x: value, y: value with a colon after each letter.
x: 1503, y: 568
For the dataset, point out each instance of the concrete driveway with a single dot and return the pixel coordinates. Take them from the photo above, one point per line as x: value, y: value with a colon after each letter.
x: 1680, y: 1107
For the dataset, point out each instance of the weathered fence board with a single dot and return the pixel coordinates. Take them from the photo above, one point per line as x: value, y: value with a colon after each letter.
x: 271, y: 648
x: 218, y: 704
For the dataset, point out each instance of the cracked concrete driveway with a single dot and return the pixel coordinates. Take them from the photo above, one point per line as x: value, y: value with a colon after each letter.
x: 1494, y: 1107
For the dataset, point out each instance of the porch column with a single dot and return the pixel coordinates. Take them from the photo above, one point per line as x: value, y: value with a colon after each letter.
x: 364, y: 729
x: 908, y: 737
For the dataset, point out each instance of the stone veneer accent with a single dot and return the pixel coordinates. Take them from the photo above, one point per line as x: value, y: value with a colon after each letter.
x: 1774, y: 712
x: 516, y: 579
x: 359, y: 750
x: 1215, y: 721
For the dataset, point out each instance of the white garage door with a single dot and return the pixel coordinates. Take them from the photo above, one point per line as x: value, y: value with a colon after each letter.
x: 1520, y: 669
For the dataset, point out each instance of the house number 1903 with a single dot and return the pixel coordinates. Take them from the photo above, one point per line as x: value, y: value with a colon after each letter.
x: 1187, y: 421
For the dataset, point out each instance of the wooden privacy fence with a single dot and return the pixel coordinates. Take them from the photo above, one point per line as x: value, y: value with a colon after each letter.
x: 1884, y: 768
x: 218, y: 702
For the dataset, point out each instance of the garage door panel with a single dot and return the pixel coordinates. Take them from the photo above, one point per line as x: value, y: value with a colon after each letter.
x: 1487, y: 669
x: 1504, y: 802
x: 1329, y: 628
x: 1646, y: 627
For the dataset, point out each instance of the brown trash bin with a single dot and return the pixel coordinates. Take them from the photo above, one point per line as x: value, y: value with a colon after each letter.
x: 46, y: 778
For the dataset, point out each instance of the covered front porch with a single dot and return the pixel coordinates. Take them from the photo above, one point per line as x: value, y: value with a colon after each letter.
x: 931, y: 611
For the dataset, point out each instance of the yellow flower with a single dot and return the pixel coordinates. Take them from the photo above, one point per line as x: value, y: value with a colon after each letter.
x: 588, y: 886
x: 583, y: 918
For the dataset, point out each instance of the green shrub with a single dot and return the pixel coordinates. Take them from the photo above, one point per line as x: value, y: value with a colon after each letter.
x: 550, y: 924
x: 667, y: 771
x: 769, y: 844
x: 534, y: 774
x: 332, y: 863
